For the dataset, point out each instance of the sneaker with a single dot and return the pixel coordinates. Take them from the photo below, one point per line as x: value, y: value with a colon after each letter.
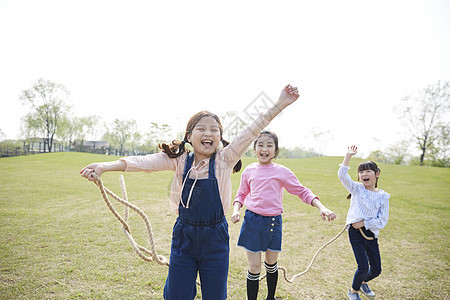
x: 353, y: 296
x: 367, y: 291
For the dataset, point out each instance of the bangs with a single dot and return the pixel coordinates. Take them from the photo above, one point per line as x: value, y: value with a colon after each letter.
x: 198, y: 116
x: 368, y: 165
x: 271, y: 135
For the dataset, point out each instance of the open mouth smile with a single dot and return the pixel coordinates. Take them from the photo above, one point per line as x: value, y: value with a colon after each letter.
x: 207, y: 143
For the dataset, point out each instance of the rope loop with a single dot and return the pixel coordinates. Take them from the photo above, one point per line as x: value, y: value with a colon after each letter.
x: 290, y: 280
x: 142, y: 252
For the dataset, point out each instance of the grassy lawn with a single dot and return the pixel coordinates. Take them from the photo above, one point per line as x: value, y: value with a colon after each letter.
x: 60, y: 241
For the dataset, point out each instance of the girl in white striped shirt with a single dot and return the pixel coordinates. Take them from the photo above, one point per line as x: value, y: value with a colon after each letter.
x: 368, y: 213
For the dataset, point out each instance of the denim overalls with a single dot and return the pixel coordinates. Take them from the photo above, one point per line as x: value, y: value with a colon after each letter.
x: 200, y: 240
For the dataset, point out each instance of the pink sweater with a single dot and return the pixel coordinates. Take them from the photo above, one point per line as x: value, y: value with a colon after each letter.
x: 262, y: 187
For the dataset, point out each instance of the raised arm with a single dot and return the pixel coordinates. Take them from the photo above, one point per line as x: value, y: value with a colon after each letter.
x: 352, y: 150
x: 288, y: 95
x: 345, y: 179
x: 237, y: 148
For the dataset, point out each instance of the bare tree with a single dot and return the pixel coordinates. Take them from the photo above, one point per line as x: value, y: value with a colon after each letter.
x: 31, y: 128
x: 321, y: 138
x: 439, y: 149
x: 93, y: 128
x: 398, y: 152
x: 47, y: 101
x: 135, y: 142
x: 158, y: 134
x: 121, y: 132
x: 425, y: 114
x: 70, y: 128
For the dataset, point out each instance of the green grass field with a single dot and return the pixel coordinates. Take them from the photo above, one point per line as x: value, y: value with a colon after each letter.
x: 60, y: 241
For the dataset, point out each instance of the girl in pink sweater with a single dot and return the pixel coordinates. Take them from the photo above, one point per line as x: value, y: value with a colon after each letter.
x: 261, y: 190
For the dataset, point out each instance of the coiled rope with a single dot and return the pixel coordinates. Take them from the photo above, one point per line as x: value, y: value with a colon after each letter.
x: 142, y: 252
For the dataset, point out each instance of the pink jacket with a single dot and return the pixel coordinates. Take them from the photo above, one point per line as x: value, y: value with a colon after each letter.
x: 262, y: 186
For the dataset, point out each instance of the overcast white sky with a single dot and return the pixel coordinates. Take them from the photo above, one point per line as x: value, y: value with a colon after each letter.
x: 163, y: 61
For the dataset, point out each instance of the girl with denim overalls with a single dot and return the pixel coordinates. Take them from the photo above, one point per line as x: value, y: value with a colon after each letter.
x: 200, y: 239
x: 201, y: 194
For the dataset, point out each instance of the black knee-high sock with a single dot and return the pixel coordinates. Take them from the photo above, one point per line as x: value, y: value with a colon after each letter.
x: 272, y: 279
x: 252, y: 285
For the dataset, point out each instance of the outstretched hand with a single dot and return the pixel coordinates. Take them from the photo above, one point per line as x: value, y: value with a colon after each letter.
x: 288, y: 95
x: 352, y: 150
x: 89, y: 171
x: 327, y: 214
x: 100, y: 168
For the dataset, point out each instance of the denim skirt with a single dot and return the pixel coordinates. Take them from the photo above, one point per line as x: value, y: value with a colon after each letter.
x: 260, y: 233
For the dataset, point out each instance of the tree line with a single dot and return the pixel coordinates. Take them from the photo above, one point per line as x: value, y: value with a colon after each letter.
x: 49, y: 121
x: 50, y: 126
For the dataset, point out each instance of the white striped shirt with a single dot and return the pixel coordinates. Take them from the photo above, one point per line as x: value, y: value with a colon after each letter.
x: 365, y: 205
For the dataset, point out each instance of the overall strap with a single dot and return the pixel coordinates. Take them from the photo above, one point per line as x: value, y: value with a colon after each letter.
x: 188, y: 163
x: 190, y: 160
x: 212, y: 169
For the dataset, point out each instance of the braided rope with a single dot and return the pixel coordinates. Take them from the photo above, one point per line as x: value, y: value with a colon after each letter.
x: 315, y: 256
x: 142, y: 252
x: 369, y: 238
x: 312, y: 261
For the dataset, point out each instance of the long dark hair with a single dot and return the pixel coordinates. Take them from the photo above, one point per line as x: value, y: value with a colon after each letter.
x: 367, y: 165
x: 177, y: 148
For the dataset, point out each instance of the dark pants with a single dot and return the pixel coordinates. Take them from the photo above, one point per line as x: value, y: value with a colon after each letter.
x: 367, y: 255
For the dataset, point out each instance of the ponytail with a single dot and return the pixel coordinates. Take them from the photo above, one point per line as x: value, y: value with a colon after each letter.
x: 237, y: 167
x: 175, y: 149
